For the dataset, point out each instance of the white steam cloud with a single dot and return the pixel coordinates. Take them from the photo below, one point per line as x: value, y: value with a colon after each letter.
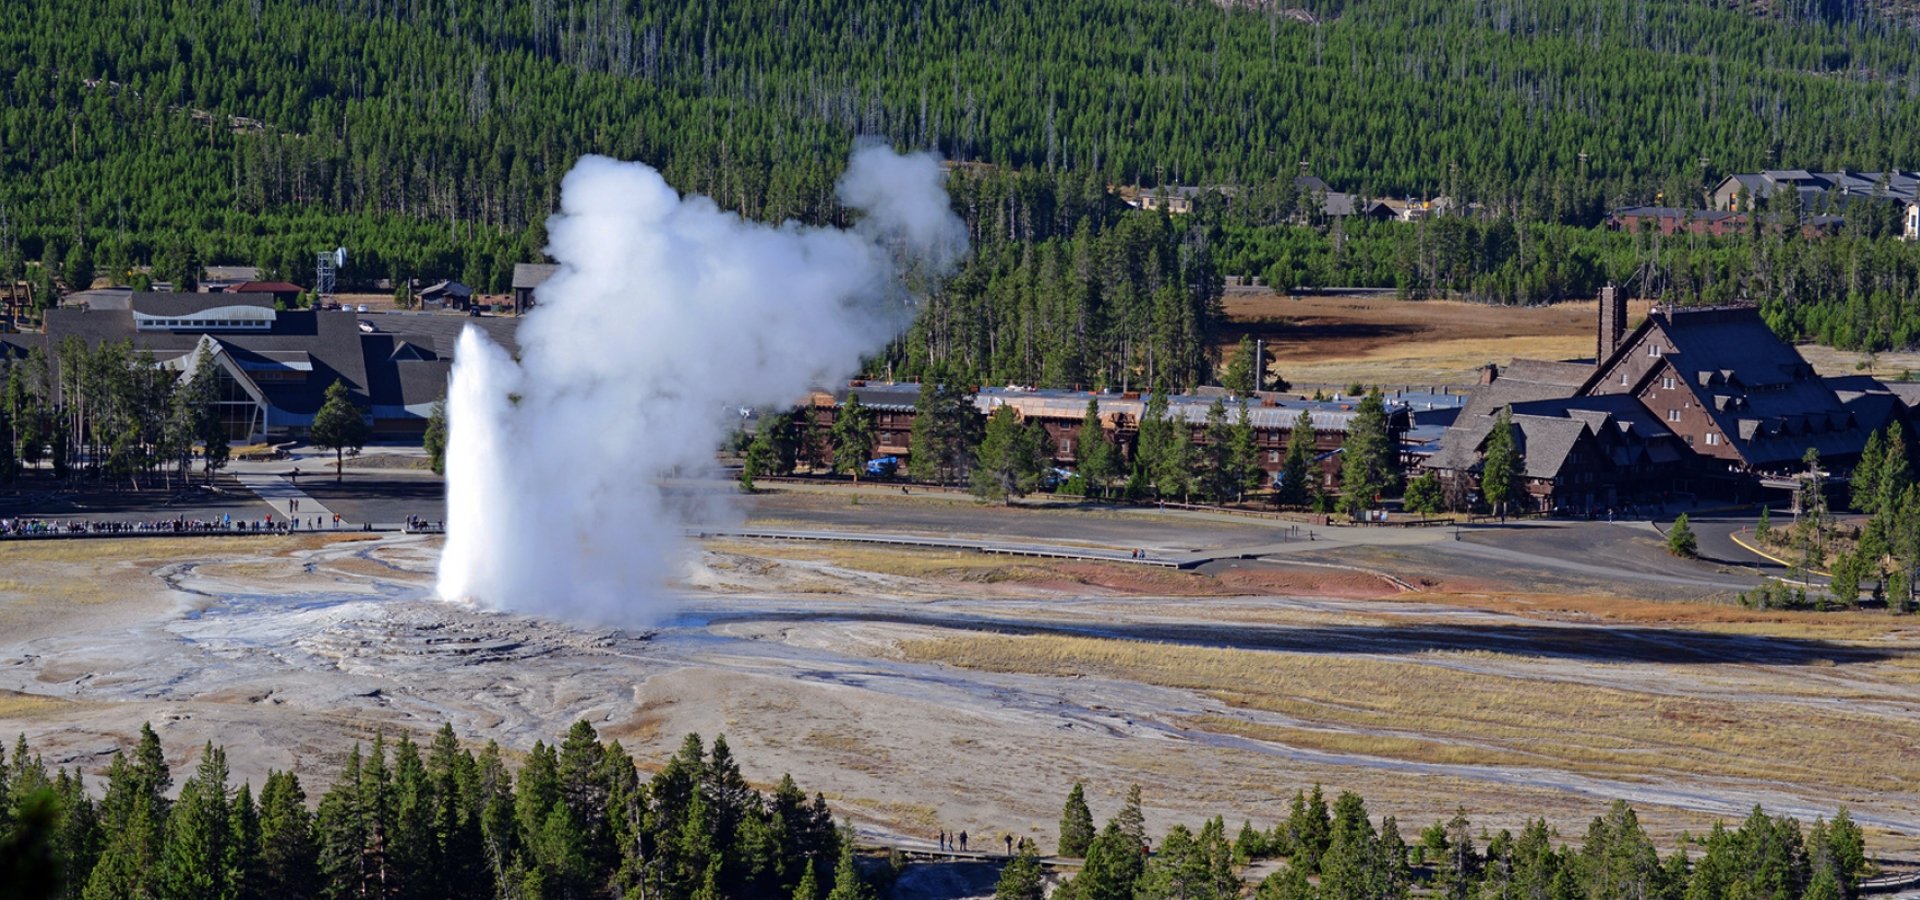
x: 666, y: 315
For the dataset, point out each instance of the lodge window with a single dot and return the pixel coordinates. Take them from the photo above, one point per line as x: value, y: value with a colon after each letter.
x: 1673, y: 415
x: 1666, y: 383
x: 1623, y: 378
x: 1653, y: 350
x: 1273, y: 456
x: 1713, y: 439
x: 1689, y: 440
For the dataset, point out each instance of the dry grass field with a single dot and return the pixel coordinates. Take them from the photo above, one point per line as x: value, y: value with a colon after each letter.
x: 1438, y: 709
x: 1372, y: 339
x: 1377, y: 340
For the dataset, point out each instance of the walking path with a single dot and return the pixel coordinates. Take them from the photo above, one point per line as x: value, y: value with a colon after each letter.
x: 278, y: 491
x: 1162, y: 559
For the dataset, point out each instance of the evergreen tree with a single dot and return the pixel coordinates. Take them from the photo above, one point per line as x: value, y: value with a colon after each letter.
x: 1013, y: 457
x: 846, y: 879
x: 1309, y: 829
x: 1867, y: 474
x: 1240, y: 374
x: 946, y: 431
x: 1244, y: 458
x: 1348, y: 870
x: 1076, y: 824
x: 760, y: 458
x: 1499, y: 464
x: 1297, y: 476
x: 1113, y: 867
x: 1424, y: 495
x: 194, y: 856
x: 809, y: 886
x: 1096, y: 458
x: 434, y: 439
x: 853, y: 438
x: 1174, y: 470
x: 1369, y: 465
x: 1288, y: 883
x: 1021, y: 879
x: 1680, y: 539
x: 1132, y: 819
x: 339, y: 425
x: 287, y: 856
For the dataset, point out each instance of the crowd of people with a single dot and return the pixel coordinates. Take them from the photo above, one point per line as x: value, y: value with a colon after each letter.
x: 226, y: 524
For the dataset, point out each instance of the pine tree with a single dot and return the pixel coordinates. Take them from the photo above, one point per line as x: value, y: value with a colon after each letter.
x: 1289, y: 883
x: 1369, y: 465
x: 1076, y: 824
x: 1680, y: 539
x: 1297, y: 475
x: 339, y: 425
x: 1012, y: 457
x: 846, y: 879
x: 287, y: 856
x: 1867, y: 474
x: 1348, y: 869
x: 1499, y: 467
x: 434, y: 439
x: 1095, y: 456
x: 853, y: 438
x: 809, y: 886
x: 1132, y: 819
x: 194, y: 855
x: 1239, y: 374
x: 1021, y: 879
x: 1249, y: 475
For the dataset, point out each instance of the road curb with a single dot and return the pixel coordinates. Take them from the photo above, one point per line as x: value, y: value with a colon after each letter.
x: 1735, y: 537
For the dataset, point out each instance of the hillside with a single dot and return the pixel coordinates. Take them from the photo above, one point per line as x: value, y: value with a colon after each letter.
x: 432, y: 134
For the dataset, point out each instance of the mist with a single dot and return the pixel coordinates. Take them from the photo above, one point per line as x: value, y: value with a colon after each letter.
x: 666, y: 317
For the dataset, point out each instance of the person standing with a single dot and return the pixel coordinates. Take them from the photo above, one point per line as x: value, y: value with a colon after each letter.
x: 963, y: 842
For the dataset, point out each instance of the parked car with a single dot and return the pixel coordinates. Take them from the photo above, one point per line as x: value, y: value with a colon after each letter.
x: 367, y: 327
x: 361, y: 308
x: 884, y: 467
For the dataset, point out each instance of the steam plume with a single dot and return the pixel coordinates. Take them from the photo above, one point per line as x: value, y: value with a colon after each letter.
x: 666, y: 316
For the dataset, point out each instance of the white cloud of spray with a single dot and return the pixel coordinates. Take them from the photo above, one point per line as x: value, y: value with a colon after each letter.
x: 665, y: 317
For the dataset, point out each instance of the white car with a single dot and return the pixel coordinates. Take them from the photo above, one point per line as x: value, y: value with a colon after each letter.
x: 361, y: 308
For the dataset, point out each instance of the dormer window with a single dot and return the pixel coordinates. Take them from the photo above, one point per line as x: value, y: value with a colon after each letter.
x: 1653, y: 350
x: 1666, y: 383
x: 1623, y: 378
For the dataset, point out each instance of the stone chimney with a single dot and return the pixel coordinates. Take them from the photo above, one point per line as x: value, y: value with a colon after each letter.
x: 1613, y: 322
x: 1489, y: 373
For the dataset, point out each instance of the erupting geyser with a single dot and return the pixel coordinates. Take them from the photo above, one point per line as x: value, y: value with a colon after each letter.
x: 665, y: 316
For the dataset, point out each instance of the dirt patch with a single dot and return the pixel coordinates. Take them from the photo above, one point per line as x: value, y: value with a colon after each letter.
x: 1371, y: 339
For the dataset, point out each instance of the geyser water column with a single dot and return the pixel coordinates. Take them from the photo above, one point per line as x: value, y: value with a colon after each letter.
x: 666, y: 316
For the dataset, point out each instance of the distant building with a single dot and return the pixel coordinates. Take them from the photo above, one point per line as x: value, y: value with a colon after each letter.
x: 1715, y: 222
x: 276, y: 365
x: 527, y: 278
x: 1816, y: 190
x: 1702, y: 400
x: 1061, y: 413
x: 217, y: 279
x: 283, y: 291
x: 448, y: 294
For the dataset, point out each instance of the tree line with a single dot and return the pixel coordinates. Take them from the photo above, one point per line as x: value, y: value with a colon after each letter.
x: 1335, y: 852
x: 1001, y: 456
x: 401, y: 820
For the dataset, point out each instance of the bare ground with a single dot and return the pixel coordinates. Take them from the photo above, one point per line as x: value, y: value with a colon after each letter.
x: 936, y: 690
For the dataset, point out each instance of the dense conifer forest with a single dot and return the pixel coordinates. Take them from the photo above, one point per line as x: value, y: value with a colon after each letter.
x: 577, y: 819
x: 429, y: 136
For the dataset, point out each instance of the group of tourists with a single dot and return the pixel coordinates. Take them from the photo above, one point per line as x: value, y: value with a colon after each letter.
x: 226, y: 524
